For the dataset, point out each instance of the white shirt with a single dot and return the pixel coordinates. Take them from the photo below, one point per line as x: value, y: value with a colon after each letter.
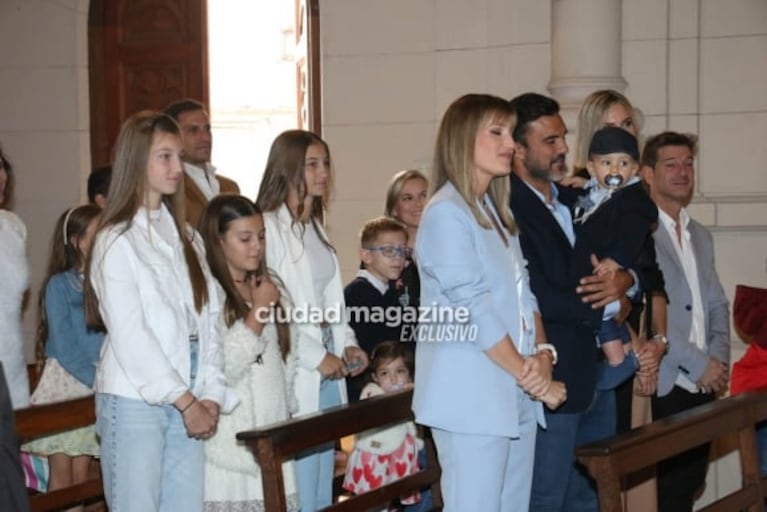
x: 321, y: 259
x: 145, y: 299
x: 204, y: 178
x: 686, y: 256
x: 560, y: 212
x: 377, y: 283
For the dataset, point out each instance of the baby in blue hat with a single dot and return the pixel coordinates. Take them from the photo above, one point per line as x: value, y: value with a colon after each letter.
x: 615, y: 215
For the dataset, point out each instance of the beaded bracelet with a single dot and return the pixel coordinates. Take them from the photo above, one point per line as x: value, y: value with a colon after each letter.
x: 182, y: 411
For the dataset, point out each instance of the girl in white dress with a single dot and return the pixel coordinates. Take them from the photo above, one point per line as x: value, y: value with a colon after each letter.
x: 258, y: 362
x: 14, y: 281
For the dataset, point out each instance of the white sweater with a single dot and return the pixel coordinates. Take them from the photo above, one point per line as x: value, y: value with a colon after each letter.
x: 14, y: 280
x: 254, y: 369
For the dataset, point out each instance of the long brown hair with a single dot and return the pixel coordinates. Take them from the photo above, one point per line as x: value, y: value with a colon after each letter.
x: 216, y: 219
x: 285, y: 172
x: 6, y: 199
x: 454, y: 152
x: 128, y: 191
x: 65, y: 255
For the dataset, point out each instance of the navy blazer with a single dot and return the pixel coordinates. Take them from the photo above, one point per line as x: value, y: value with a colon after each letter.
x: 620, y: 226
x: 555, y: 268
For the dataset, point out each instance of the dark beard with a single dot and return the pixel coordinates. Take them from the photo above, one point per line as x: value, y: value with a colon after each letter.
x: 540, y: 174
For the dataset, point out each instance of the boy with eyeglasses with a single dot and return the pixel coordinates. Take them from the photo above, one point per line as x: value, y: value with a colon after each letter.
x: 375, y: 312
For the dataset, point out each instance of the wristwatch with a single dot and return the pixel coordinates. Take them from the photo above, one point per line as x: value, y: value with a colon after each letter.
x: 550, y: 348
x: 662, y: 338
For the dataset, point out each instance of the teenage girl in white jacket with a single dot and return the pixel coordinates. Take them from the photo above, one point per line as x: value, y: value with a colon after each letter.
x: 159, y: 384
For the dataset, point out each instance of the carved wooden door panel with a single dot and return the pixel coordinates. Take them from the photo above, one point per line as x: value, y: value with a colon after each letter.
x: 307, y: 54
x: 143, y: 54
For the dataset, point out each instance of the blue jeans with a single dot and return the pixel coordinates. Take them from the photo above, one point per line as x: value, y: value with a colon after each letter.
x: 314, y: 467
x: 610, y: 377
x: 147, y: 461
x: 427, y: 502
x: 761, y: 443
x: 560, y: 483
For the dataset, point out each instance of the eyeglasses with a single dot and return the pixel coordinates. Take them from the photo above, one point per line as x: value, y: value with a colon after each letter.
x: 391, y: 251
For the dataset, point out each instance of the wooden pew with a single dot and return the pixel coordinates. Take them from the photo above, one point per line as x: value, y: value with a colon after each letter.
x: 611, y: 459
x: 276, y: 443
x: 42, y: 420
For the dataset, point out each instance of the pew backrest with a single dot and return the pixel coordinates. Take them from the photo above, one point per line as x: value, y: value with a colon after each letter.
x: 276, y: 443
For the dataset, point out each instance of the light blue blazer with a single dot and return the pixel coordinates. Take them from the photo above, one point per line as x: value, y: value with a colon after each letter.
x: 683, y: 356
x: 463, y: 265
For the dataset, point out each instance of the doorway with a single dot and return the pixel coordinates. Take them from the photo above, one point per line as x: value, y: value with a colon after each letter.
x: 143, y: 55
x: 252, y: 51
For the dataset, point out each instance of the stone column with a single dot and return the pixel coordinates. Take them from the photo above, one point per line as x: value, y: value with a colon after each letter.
x: 585, y: 51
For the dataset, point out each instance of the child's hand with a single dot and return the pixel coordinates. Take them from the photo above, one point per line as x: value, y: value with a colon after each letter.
x: 263, y: 292
x: 212, y: 408
x: 332, y: 367
x: 199, y: 422
x: 356, y: 360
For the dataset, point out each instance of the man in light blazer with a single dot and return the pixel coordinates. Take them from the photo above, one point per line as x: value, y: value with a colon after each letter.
x: 201, y: 184
x: 695, y: 368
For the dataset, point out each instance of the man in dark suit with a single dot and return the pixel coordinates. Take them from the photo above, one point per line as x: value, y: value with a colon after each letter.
x: 696, y: 366
x: 201, y: 184
x: 557, y: 266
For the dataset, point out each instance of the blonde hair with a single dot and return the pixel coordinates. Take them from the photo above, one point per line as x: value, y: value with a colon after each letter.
x: 454, y: 152
x: 394, y: 189
x: 593, y: 110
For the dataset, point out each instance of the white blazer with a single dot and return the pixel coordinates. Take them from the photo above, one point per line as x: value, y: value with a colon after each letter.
x: 145, y: 300
x: 286, y: 256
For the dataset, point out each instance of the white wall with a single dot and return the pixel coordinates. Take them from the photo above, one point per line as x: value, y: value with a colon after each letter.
x: 44, y: 117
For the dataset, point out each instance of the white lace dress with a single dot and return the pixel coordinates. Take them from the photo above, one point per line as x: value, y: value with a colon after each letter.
x: 254, y: 369
x: 14, y: 280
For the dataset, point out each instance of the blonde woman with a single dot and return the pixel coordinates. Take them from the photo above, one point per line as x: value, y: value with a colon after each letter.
x: 480, y: 382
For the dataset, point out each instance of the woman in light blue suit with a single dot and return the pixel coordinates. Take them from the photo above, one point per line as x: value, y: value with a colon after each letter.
x: 483, y: 373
